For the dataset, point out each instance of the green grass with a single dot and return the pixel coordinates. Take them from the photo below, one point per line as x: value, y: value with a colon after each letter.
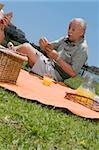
x: 26, y: 125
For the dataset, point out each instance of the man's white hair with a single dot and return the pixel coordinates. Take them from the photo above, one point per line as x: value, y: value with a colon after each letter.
x: 81, y: 21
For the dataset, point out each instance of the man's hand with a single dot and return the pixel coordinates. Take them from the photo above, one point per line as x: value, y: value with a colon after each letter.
x: 44, y: 44
x: 49, y: 46
x: 52, y: 54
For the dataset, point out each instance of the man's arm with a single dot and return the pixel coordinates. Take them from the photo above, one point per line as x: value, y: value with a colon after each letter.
x: 53, y: 54
x: 66, y: 67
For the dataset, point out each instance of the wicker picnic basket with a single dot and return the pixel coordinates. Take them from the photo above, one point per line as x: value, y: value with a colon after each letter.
x: 10, y: 65
x: 85, y: 101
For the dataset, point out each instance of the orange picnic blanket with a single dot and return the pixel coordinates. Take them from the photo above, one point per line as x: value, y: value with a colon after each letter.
x: 30, y: 86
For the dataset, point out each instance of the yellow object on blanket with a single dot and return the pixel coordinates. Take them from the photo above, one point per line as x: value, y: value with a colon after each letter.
x: 83, y: 92
x: 47, y: 80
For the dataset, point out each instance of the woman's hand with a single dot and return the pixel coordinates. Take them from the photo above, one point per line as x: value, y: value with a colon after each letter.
x: 6, y: 19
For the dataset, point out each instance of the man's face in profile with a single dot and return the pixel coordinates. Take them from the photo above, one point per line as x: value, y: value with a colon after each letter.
x: 75, y: 31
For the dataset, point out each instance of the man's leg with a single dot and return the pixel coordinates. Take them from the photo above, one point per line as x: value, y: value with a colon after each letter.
x: 29, y: 51
x: 38, y: 63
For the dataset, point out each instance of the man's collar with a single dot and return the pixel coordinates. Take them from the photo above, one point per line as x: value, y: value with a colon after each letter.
x: 66, y: 39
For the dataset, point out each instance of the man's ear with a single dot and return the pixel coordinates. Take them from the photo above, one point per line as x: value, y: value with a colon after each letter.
x: 82, y: 33
x: 1, y: 6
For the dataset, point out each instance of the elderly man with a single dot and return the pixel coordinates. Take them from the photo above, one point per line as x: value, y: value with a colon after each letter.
x: 65, y: 57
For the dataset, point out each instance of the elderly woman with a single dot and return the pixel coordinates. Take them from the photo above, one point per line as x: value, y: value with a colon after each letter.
x: 4, y: 21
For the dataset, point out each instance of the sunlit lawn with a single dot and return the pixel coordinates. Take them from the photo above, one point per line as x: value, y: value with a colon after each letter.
x: 26, y: 125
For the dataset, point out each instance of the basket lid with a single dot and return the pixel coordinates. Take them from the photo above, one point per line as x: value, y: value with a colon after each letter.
x: 14, y: 54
